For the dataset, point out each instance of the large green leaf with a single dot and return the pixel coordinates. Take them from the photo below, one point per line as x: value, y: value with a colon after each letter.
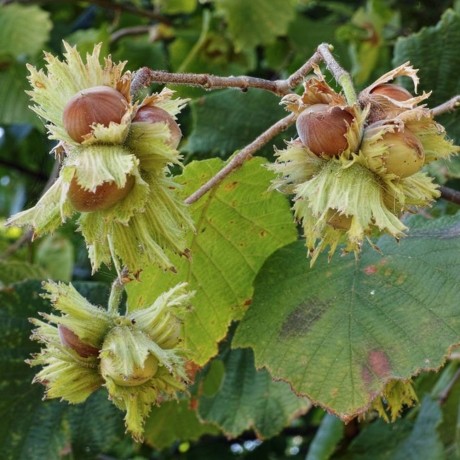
x: 13, y: 271
x: 256, y: 22
x: 228, y: 120
x: 238, y: 225
x: 175, y: 421
x: 402, y: 441
x: 14, y: 100
x: 250, y: 399
x: 20, y: 435
x: 56, y: 254
x: 434, y: 51
x: 340, y: 331
x: 94, y: 426
x: 23, y: 30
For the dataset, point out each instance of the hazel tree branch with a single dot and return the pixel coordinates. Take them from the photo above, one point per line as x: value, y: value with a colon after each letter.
x: 341, y: 75
x: 145, y: 77
x: 448, y: 106
x: 450, y: 194
x: 242, y: 156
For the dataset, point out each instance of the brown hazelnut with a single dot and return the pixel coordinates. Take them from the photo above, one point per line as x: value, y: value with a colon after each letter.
x: 322, y: 129
x: 99, y: 104
x: 71, y: 340
x: 151, y: 114
x: 104, y: 197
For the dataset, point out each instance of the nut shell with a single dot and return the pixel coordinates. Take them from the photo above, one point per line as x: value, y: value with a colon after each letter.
x: 104, y: 197
x: 338, y: 221
x: 151, y: 114
x: 69, y: 339
x: 322, y: 129
x: 96, y: 105
x: 405, y: 155
x: 140, y: 375
x: 396, y: 92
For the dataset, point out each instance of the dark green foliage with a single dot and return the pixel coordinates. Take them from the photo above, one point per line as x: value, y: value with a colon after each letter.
x: 267, y: 330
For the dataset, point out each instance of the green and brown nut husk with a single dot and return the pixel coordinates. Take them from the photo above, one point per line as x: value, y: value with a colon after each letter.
x: 115, y: 156
x: 139, y: 357
x: 355, y: 169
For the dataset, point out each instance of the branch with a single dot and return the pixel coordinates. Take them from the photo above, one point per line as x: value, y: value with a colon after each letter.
x: 135, y: 30
x: 107, y: 4
x: 242, y: 156
x: 450, y: 194
x: 448, y: 106
x: 342, y: 76
x: 116, y: 292
x: 145, y: 77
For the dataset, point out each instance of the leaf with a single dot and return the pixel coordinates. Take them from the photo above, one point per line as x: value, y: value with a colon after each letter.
x: 338, y: 332
x: 228, y: 120
x: 23, y: 30
x: 177, y: 6
x: 434, y: 51
x: 55, y: 254
x: 95, y: 426
x: 326, y: 438
x: 20, y: 435
x: 13, y: 271
x: 250, y: 399
x: 402, y: 440
x: 140, y: 51
x: 85, y: 40
x: 256, y: 22
x: 14, y: 107
x: 238, y: 225
x: 175, y: 421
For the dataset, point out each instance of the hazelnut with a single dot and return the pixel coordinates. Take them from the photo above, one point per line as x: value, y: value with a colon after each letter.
x: 111, y: 368
x: 405, y: 155
x: 396, y: 92
x: 338, y: 221
x: 97, y: 105
x: 69, y: 339
x: 104, y: 197
x: 151, y: 114
x: 322, y: 129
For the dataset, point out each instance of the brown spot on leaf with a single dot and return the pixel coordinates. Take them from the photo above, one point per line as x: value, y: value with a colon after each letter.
x: 231, y: 185
x: 377, y: 366
x: 247, y: 302
x: 263, y: 233
x: 303, y: 317
x: 370, y: 270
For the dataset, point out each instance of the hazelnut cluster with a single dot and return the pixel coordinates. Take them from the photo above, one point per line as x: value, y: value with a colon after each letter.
x: 115, y: 156
x: 139, y: 357
x: 355, y: 169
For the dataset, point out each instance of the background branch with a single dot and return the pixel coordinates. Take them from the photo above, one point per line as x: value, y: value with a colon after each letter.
x: 107, y: 4
x: 242, y: 156
x: 450, y: 194
x: 448, y: 106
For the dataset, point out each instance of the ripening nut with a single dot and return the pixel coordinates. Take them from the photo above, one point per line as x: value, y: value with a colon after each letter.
x: 96, y: 105
x: 322, y: 129
x: 404, y: 155
x: 104, y: 197
x: 338, y: 221
x: 71, y: 340
x: 137, y: 376
x: 150, y: 114
x: 396, y: 92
